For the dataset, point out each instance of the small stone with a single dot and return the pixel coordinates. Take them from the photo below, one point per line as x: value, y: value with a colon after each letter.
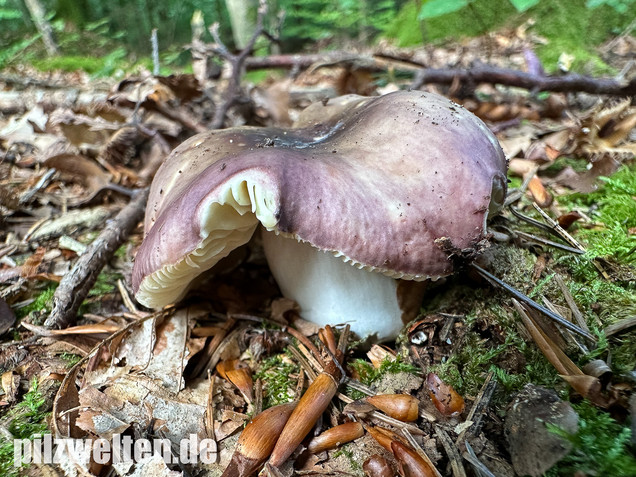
x: 533, y: 448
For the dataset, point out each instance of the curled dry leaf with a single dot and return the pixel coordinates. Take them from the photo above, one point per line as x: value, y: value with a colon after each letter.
x: 78, y: 169
x: 10, y: 386
x: 445, y: 398
x: 32, y: 264
x: 402, y: 407
x: 134, y: 376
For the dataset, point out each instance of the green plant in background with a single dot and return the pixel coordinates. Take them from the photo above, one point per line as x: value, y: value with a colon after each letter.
x: 621, y: 6
x: 13, y: 21
x: 437, y: 8
x: 575, y: 27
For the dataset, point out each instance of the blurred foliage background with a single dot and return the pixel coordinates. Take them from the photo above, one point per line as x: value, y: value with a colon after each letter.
x: 100, y: 37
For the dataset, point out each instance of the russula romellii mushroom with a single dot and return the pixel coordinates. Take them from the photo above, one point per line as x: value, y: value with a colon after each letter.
x: 361, y: 202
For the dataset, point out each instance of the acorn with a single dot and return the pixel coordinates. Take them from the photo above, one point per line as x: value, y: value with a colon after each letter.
x: 258, y: 440
x: 402, y: 407
x: 332, y: 438
x: 377, y: 466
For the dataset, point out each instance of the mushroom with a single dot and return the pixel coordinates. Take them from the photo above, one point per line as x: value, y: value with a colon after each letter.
x: 360, y: 203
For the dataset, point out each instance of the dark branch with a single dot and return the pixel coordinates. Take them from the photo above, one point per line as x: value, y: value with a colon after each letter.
x: 76, y: 284
x: 474, y: 75
x: 237, y: 64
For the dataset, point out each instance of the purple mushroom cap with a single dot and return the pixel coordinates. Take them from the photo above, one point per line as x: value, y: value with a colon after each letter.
x: 380, y: 182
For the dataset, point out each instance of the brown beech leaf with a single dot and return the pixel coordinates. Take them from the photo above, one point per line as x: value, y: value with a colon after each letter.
x: 78, y: 169
x: 32, y: 264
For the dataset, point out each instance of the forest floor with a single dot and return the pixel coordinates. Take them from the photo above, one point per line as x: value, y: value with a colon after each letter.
x: 80, y: 358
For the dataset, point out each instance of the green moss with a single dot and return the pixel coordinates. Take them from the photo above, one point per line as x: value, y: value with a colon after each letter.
x: 514, y: 182
x: 277, y: 382
x: 24, y: 421
x: 43, y: 302
x: 70, y: 63
x: 103, y: 65
x: 560, y: 163
x: 120, y: 253
x: 614, y: 207
x: 106, y: 283
x: 71, y: 359
x: 600, y: 446
x: 345, y: 452
x: 368, y: 374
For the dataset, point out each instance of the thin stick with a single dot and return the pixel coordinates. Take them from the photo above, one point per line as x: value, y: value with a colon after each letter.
x: 578, y: 316
x: 452, y: 452
x: 530, y: 302
x: 478, y: 409
x: 155, y: 52
x: 550, y: 243
x: 568, y: 238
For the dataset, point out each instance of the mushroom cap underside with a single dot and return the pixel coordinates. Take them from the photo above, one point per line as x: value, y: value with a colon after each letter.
x: 377, y: 186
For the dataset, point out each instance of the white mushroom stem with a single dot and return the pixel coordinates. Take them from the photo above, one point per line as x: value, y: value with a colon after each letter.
x: 331, y: 291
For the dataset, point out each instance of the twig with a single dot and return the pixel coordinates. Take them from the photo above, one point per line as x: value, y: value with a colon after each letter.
x: 155, y: 52
x: 76, y: 284
x: 565, y: 334
x: 550, y: 243
x: 476, y: 74
x: 620, y: 326
x: 236, y: 63
x: 514, y: 195
x: 568, y: 238
x: 453, y: 454
x: 521, y: 79
x: 478, y: 410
